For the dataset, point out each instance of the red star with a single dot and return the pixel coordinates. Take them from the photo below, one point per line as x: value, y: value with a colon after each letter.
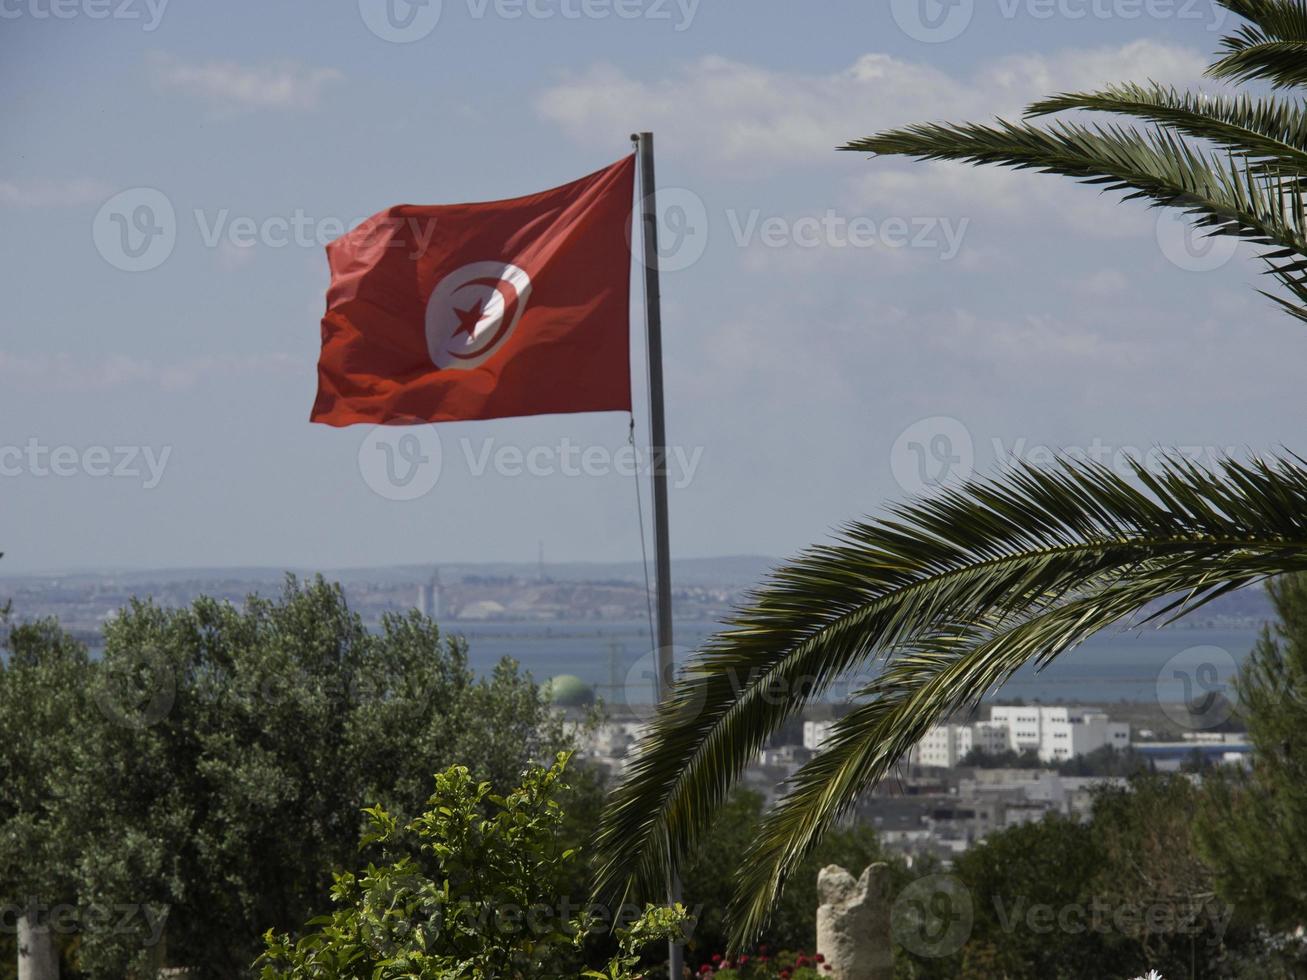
x: 468, y: 319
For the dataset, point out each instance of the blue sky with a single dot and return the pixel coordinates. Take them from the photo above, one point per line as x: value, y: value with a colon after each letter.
x: 837, y: 329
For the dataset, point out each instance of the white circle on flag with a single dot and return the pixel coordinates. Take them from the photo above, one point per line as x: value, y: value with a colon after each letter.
x: 473, y: 311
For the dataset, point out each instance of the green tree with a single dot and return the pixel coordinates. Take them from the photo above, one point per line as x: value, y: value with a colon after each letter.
x: 218, y: 772
x: 1159, y: 892
x: 1106, y: 761
x: 708, y: 879
x: 1007, y: 759
x: 469, y: 889
x: 956, y: 592
x: 1122, y: 894
x: 42, y: 695
x: 1012, y: 878
x: 1254, y: 825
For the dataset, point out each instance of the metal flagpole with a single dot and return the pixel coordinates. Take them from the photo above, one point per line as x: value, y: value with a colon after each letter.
x: 644, y: 145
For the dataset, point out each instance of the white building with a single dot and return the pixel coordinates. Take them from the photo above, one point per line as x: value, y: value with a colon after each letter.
x: 785, y: 756
x: 429, y: 594
x: 944, y: 746
x: 1055, y: 734
x: 1058, y: 734
x: 815, y: 734
x: 989, y: 737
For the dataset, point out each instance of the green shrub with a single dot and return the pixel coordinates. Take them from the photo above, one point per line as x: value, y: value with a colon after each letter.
x: 469, y: 889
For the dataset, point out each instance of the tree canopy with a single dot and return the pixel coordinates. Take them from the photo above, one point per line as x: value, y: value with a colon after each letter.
x: 211, y: 769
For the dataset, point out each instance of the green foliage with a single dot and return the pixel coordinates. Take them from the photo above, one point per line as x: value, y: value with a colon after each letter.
x: 469, y: 889
x: 1164, y: 909
x: 1007, y: 759
x: 1115, y: 897
x: 1236, y: 166
x: 708, y: 880
x: 1012, y: 876
x: 946, y: 598
x: 1272, y: 46
x: 1105, y: 761
x: 43, y: 692
x: 217, y: 768
x: 1254, y: 826
x: 654, y: 925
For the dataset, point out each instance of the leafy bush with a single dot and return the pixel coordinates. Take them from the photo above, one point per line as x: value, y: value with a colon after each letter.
x: 469, y: 889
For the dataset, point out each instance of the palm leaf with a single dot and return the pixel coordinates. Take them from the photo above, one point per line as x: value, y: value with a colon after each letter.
x: 1225, y: 197
x: 1272, y: 46
x: 1282, y: 63
x: 1274, y: 20
x: 1268, y: 131
x: 947, y: 597
x: 1156, y: 165
x: 950, y: 595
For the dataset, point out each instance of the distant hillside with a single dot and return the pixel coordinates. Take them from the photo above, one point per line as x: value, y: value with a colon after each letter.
x: 725, y: 571
x: 705, y: 589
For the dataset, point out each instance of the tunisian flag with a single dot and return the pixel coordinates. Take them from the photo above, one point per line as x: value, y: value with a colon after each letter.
x: 479, y: 311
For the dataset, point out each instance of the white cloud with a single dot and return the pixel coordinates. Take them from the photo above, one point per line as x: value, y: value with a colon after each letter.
x: 1022, y: 342
x: 747, y: 116
x: 907, y: 187
x: 1103, y: 283
x: 232, y: 256
x: 231, y: 86
x: 45, y: 192
x: 1012, y: 82
x: 742, y: 114
x: 62, y: 372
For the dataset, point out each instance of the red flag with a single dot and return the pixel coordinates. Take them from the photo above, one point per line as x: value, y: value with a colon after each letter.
x: 478, y: 311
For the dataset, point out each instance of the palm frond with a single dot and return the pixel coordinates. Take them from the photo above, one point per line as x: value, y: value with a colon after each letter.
x: 1156, y: 165
x: 954, y: 593
x: 1272, y: 46
x: 1270, y: 132
x: 1225, y: 197
x: 1282, y: 63
x: 1275, y: 20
